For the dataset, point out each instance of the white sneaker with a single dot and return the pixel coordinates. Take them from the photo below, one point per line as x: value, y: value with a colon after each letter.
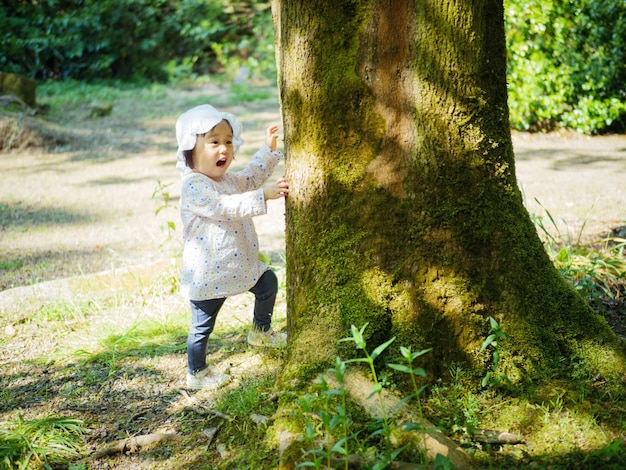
x: 206, y: 380
x: 269, y: 338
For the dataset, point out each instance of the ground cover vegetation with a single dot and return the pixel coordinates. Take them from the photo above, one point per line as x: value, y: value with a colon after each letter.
x: 102, y: 388
x: 99, y: 379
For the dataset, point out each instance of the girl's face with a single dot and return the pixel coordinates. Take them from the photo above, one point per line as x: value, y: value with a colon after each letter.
x: 214, y: 151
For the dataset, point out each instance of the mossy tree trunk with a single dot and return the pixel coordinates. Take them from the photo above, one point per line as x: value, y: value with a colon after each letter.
x: 404, y: 208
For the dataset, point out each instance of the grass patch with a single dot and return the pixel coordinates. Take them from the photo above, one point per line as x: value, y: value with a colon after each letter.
x: 596, y: 269
x: 243, y: 93
x: 11, y: 264
x: 560, y: 428
x: 60, y: 94
x: 68, y: 99
x: 144, y: 338
x: 66, y: 311
x: 252, y: 397
x: 40, y: 442
x: 573, y: 425
x: 251, y: 408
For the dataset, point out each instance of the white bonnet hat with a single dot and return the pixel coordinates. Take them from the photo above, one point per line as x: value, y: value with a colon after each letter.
x: 200, y: 120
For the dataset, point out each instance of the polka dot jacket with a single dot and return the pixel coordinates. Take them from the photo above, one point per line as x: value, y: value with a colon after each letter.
x: 220, y: 243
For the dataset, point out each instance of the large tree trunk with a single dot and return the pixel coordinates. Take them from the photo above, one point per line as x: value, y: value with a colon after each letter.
x: 404, y: 209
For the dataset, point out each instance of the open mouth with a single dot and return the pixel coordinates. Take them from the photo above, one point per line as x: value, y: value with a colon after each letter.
x: 221, y: 162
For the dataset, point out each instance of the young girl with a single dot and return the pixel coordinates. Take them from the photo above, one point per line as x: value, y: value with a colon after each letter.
x: 220, y: 253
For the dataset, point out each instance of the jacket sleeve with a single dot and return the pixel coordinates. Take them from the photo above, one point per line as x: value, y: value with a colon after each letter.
x: 259, y: 169
x: 199, y: 197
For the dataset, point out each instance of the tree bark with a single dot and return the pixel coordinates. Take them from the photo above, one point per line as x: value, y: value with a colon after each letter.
x: 404, y: 210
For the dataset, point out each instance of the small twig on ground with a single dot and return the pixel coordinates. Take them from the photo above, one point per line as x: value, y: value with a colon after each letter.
x: 205, y: 411
x: 273, y: 397
x: 495, y: 437
x: 132, y: 444
x: 211, y: 433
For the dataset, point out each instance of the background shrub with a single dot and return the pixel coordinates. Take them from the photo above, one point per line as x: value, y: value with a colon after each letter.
x: 566, y: 64
x: 565, y: 59
x: 129, y: 39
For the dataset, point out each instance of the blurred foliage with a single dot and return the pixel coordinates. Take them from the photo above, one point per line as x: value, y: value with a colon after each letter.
x: 566, y: 58
x: 567, y: 64
x: 133, y: 39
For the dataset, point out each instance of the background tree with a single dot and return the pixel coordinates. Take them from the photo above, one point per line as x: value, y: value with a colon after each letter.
x: 404, y: 209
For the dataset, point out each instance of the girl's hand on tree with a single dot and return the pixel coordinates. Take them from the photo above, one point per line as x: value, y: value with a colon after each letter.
x: 278, y: 189
x: 271, y: 137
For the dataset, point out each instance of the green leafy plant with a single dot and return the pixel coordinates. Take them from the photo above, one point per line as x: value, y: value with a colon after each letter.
x: 326, y: 414
x: 409, y: 368
x: 493, y: 341
x: 596, y: 269
x: 134, y: 39
x: 314, y: 456
x: 389, y: 454
x: 249, y: 56
x: 163, y: 197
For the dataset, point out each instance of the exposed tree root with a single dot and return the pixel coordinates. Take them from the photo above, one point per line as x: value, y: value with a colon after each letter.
x: 433, y: 441
x: 429, y: 441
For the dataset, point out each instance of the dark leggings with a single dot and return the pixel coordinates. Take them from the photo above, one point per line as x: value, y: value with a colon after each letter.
x: 204, y: 313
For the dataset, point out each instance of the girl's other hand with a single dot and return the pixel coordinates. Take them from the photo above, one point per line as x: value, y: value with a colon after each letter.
x: 271, y: 137
x: 278, y: 189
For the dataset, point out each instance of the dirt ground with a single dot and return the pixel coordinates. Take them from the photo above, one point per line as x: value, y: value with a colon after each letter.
x: 579, y: 180
x: 88, y: 203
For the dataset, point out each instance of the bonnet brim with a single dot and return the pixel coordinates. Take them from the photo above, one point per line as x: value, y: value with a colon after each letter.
x: 200, y: 120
